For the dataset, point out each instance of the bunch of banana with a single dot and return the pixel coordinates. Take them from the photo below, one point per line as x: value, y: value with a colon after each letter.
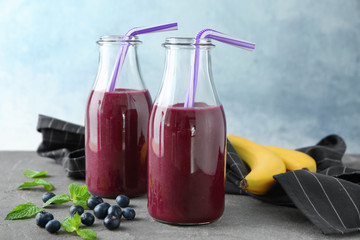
x: 267, y: 161
x: 263, y: 163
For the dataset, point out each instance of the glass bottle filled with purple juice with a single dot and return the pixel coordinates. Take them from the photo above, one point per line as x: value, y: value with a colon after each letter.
x: 116, y: 123
x: 187, y: 139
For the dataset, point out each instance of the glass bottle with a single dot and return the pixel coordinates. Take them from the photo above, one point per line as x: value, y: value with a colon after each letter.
x: 116, y: 124
x: 186, y: 149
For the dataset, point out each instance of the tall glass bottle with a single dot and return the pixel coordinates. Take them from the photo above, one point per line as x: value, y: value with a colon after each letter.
x: 186, y: 149
x: 116, y: 124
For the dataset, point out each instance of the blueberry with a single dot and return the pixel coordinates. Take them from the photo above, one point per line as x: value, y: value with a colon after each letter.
x: 122, y: 201
x: 111, y: 222
x: 87, y: 219
x: 52, y: 226
x: 100, y: 211
x: 42, y: 218
x: 46, y: 196
x: 76, y: 209
x: 115, y: 210
x: 129, y: 213
x: 93, y: 201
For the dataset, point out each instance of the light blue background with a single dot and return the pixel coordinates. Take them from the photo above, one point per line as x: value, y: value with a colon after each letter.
x: 299, y: 85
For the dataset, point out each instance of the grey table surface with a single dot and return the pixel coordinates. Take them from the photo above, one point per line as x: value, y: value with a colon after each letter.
x: 243, y: 218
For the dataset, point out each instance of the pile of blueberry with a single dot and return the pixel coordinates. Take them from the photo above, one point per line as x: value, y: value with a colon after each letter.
x: 102, y: 210
x: 111, y: 214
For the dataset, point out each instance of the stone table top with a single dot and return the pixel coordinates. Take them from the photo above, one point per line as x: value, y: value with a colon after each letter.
x: 243, y: 218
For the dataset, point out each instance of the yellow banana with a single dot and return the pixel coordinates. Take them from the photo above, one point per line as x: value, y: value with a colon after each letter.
x: 294, y: 160
x: 263, y: 163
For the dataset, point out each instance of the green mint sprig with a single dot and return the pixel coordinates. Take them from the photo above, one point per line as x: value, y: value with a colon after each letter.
x: 34, y: 174
x: 25, y: 210
x: 72, y: 224
x: 37, y: 182
x: 78, y: 195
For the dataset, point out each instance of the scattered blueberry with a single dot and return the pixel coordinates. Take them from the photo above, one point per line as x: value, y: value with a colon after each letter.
x: 111, y: 222
x: 87, y: 219
x: 93, y: 201
x: 52, y: 226
x: 122, y: 200
x: 128, y: 213
x: 46, y: 196
x: 115, y: 210
x: 100, y: 211
x: 76, y: 209
x: 42, y: 218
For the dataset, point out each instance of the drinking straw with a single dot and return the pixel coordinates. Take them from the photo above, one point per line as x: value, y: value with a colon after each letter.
x: 218, y: 36
x: 124, y: 48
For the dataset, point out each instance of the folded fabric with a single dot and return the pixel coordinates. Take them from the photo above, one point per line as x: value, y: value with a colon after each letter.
x: 329, y: 198
x: 330, y: 203
x: 64, y: 142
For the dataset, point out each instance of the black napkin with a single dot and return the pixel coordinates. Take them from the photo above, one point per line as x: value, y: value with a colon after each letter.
x: 329, y: 198
x: 64, y: 142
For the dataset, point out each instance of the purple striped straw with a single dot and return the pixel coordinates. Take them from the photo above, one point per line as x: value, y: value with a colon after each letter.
x: 218, y: 36
x: 124, y: 48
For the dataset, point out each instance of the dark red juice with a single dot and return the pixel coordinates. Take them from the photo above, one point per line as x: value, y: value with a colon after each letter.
x: 115, y: 147
x: 186, y: 154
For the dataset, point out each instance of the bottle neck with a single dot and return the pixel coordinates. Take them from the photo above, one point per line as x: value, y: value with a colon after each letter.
x: 128, y: 76
x: 178, y: 76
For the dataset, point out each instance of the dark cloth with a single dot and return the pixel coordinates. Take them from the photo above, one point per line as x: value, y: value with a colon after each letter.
x: 329, y: 198
x: 64, y: 142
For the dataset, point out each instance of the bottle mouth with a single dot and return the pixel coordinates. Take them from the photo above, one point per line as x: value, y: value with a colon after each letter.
x: 187, y: 42
x: 116, y: 39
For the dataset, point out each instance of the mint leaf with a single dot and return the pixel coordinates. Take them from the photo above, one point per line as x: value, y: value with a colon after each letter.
x: 83, y: 193
x: 37, y: 182
x: 73, y: 190
x: 71, y: 224
x: 58, y: 199
x: 82, y: 203
x: 79, y: 195
x: 86, y: 234
x: 67, y: 225
x: 25, y: 210
x: 34, y: 174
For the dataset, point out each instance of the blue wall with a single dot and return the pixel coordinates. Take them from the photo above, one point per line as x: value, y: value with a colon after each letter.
x: 300, y: 84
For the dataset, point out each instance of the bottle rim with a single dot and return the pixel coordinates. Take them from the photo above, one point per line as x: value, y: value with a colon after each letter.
x: 117, y: 39
x: 187, y: 42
